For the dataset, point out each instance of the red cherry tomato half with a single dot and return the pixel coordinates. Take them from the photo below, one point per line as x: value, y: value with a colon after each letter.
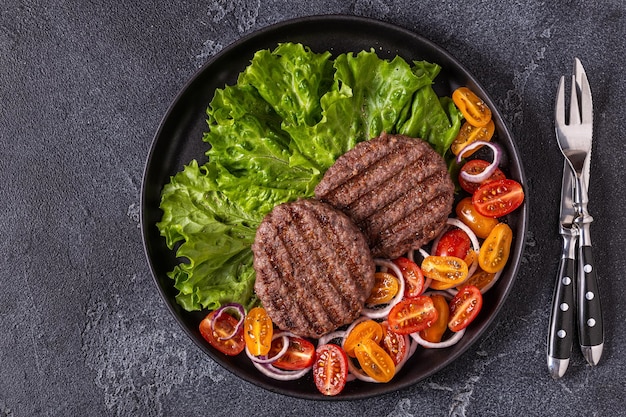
x: 395, y: 344
x: 498, y: 198
x: 454, y: 242
x: 412, y: 315
x: 474, y: 167
x: 299, y: 355
x: 223, y: 327
x: 413, y: 276
x: 464, y: 307
x: 330, y: 369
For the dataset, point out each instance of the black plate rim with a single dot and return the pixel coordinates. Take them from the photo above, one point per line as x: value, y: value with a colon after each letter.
x: 502, y: 130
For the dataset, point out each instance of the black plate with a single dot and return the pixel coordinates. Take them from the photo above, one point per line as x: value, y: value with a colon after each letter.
x: 178, y: 141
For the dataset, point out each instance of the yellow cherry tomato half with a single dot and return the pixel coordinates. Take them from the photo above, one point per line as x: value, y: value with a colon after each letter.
x: 386, y: 287
x: 480, y: 225
x: 447, y: 269
x: 375, y: 361
x: 368, y: 329
x: 473, y: 108
x: 480, y: 279
x: 470, y: 134
x: 495, y: 250
x: 435, y: 332
x: 258, y: 331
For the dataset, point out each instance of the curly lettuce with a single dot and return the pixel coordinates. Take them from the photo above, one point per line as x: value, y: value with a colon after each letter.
x: 272, y: 136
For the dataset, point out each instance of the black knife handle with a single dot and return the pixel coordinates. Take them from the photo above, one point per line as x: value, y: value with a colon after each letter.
x: 590, y: 327
x: 562, y: 319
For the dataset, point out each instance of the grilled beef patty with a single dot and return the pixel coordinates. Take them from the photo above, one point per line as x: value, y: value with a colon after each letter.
x: 395, y: 188
x: 314, y: 269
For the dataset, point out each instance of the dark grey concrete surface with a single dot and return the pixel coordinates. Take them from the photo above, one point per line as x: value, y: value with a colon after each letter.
x: 83, y: 87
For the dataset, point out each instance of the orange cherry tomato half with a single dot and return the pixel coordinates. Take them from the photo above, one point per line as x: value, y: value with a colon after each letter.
x: 258, y: 331
x: 498, y: 198
x: 470, y: 134
x: 368, y: 329
x: 330, y: 369
x: 435, y: 332
x: 223, y: 327
x: 386, y: 287
x: 300, y: 354
x: 412, y: 315
x: 473, y: 108
x: 413, y: 276
x: 464, y: 307
x: 375, y: 361
x: 394, y: 344
x: 494, y: 252
x: 447, y: 269
x: 475, y: 167
x: 480, y: 279
x: 480, y: 225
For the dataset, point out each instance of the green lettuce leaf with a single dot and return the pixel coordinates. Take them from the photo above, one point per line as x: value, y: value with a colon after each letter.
x: 272, y: 136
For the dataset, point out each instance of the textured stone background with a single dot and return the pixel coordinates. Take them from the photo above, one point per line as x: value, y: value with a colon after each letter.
x: 83, y: 87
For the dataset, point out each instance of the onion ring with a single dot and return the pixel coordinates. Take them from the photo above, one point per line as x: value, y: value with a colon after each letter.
x: 447, y: 343
x: 379, y: 313
x: 490, y: 169
x: 239, y: 309
x: 265, y: 359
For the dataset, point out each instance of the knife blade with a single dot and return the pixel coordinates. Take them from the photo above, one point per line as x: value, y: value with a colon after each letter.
x: 590, y: 323
x: 562, y: 317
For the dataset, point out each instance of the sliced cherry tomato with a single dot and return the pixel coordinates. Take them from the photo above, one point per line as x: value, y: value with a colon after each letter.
x: 480, y: 279
x: 498, y: 198
x: 368, y: 329
x: 223, y: 327
x: 413, y: 276
x: 464, y: 307
x: 448, y: 269
x: 386, y: 287
x: 375, y: 361
x: 412, y: 315
x: 258, y: 331
x: 435, y: 332
x: 475, y: 167
x: 330, y: 369
x: 494, y: 252
x: 394, y: 344
x: 473, y: 108
x: 454, y: 242
x: 480, y: 225
x: 470, y: 134
x: 300, y: 353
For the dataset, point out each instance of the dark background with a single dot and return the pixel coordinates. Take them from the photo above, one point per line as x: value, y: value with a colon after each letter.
x: 83, y: 88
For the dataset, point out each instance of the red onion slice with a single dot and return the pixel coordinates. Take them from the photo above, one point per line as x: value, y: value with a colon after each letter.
x: 238, y: 308
x: 489, y: 170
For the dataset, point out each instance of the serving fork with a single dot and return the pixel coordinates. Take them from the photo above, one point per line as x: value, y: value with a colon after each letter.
x: 574, y: 137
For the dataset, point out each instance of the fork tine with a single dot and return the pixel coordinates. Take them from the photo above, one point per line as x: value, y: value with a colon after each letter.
x: 582, y: 84
x: 559, y: 108
x: 574, y: 111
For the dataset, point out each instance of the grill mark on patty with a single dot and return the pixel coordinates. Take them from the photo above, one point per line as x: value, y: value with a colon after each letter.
x: 427, y: 221
x: 305, y: 287
x: 399, y: 184
x: 359, y: 159
x: 388, y: 187
x: 351, y: 257
x: 411, y: 200
x: 326, y: 257
x: 276, y: 266
x: 297, y: 248
x: 368, y: 178
x: 316, y: 280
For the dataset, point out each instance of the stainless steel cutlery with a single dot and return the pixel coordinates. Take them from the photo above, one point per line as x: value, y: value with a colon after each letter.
x: 576, y: 285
